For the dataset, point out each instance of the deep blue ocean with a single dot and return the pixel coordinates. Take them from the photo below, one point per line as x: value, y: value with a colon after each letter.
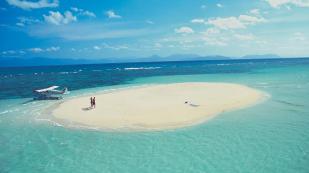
x: 272, y: 136
x: 19, y: 82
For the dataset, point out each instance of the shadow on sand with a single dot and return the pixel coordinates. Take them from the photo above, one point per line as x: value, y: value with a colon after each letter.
x: 87, y: 109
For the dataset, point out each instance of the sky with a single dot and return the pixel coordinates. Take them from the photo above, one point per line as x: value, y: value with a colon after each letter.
x: 98, y: 29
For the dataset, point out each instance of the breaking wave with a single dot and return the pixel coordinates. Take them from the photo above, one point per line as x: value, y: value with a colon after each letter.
x: 141, y: 68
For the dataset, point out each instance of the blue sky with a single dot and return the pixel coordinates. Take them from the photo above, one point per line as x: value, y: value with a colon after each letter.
x: 138, y: 28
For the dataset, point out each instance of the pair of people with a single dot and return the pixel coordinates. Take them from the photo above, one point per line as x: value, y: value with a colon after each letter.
x: 92, y: 102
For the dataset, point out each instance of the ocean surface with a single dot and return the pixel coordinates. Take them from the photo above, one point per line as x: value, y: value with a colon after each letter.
x: 272, y: 136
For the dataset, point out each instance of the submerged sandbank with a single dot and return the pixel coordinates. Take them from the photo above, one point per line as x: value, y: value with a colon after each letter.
x: 156, y: 107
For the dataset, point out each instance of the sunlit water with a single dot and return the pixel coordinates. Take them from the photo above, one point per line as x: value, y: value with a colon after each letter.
x: 272, y: 136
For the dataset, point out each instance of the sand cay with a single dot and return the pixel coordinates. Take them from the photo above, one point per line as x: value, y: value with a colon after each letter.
x: 157, y: 107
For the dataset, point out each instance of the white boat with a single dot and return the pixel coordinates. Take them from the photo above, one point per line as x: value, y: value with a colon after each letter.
x: 49, y: 93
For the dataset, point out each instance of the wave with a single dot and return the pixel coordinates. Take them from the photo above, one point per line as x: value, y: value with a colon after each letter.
x: 9, y: 111
x: 8, y: 76
x: 4, y: 112
x: 38, y: 73
x: 223, y: 64
x: 72, y: 72
x: 141, y: 68
x: 49, y: 121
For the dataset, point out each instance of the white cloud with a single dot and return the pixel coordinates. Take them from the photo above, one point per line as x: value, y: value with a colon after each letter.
x: 54, y: 18
x: 226, y: 23
x: 52, y: 49
x: 20, y: 24
x: 244, y: 37
x: 68, y: 17
x: 36, y: 50
x: 57, y: 18
x: 198, y: 21
x: 11, y: 53
x: 26, y: 21
x: 278, y: 3
x: 119, y: 47
x: 219, y: 5
x: 40, y: 50
x: 211, y: 31
x: 235, y: 22
x: 184, y: 30
x: 31, y: 50
x: 26, y: 5
x: 8, y: 52
x: 112, y: 14
x: 83, y: 12
x: 88, y: 13
x: 212, y: 37
x: 255, y: 11
x: 96, y: 48
x: 75, y: 9
x: 251, y: 20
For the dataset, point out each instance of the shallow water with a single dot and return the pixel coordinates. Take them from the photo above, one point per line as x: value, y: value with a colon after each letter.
x: 272, y: 136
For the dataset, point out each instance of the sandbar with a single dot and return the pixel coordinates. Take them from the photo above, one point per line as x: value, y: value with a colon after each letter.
x: 156, y: 107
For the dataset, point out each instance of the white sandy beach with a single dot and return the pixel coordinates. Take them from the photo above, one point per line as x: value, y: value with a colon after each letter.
x: 157, y: 107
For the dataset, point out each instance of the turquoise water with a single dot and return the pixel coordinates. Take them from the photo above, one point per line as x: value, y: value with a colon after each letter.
x: 272, y: 136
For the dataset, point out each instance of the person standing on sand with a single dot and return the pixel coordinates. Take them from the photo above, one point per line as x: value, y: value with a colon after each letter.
x: 93, y: 102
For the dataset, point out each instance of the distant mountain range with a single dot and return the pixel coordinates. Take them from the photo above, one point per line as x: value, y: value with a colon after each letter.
x: 265, y: 56
x: 175, y: 57
x: 38, y: 61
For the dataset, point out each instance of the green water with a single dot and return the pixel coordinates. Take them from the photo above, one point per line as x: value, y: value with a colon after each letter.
x: 272, y: 136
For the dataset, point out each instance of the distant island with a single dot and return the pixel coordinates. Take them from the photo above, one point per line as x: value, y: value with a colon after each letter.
x: 265, y: 56
x: 40, y: 61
